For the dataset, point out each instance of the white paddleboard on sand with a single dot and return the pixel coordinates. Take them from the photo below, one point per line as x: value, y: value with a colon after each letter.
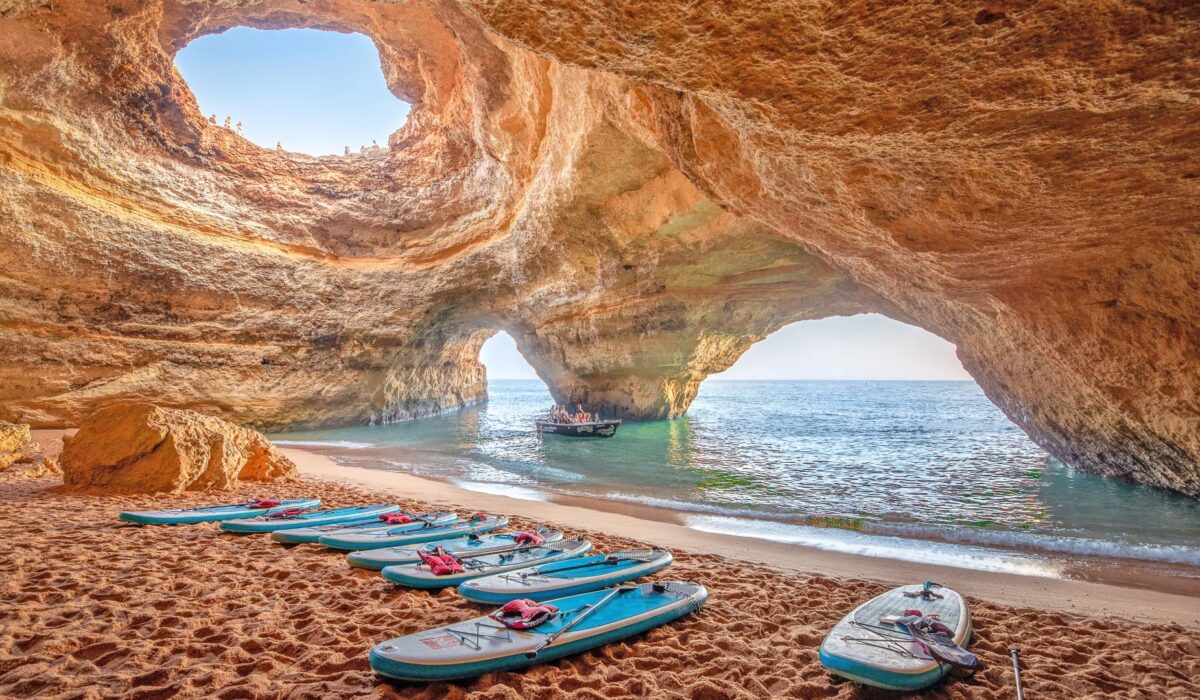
x: 865, y: 649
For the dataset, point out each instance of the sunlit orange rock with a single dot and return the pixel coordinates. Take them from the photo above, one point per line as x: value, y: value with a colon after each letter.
x: 141, y: 448
x: 636, y: 191
x: 20, y: 454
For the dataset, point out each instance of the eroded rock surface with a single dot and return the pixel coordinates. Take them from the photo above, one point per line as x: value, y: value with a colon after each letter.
x: 637, y: 192
x: 142, y: 448
x: 21, y: 455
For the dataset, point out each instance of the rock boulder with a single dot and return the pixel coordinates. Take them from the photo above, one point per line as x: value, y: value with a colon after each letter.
x: 20, y: 454
x: 137, y: 447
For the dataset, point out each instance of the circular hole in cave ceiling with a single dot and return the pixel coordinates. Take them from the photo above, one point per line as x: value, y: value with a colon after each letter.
x: 315, y: 92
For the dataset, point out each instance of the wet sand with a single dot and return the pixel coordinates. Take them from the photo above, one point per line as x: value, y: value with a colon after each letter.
x: 98, y: 609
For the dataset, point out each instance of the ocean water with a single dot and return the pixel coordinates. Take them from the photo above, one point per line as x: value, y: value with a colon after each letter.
x: 859, y: 466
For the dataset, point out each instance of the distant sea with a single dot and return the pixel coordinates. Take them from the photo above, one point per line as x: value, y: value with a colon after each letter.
x: 923, y: 471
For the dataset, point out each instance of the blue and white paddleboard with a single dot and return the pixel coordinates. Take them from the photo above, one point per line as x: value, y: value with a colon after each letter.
x: 420, y: 576
x: 376, y: 559
x: 208, y: 514
x: 566, y: 577
x: 474, y: 647
x: 396, y: 536
x: 374, y: 522
x: 864, y: 649
x: 328, y: 516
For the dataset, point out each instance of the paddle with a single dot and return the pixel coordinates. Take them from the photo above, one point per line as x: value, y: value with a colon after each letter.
x: 1015, y: 653
x: 624, y: 588
x: 426, y: 523
x: 430, y: 521
x: 377, y: 522
x: 495, y: 549
x: 614, y: 558
x: 224, y: 506
x: 474, y: 561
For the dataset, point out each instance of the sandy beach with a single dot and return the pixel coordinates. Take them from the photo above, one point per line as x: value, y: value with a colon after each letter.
x: 98, y: 609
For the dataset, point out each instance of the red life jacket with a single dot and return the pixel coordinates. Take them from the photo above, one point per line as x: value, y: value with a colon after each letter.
x: 263, y: 503
x: 523, y: 614
x: 440, y: 562
x: 531, y: 538
x: 395, y: 518
x: 287, y: 513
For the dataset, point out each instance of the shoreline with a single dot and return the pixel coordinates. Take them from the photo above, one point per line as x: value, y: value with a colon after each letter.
x: 984, y: 552
x: 1153, y: 555
x: 1074, y: 596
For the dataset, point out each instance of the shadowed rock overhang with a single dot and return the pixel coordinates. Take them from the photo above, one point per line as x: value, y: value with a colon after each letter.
x: 637, y: 192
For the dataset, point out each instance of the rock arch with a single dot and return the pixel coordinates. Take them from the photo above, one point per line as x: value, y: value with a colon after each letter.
x: 636, y: 191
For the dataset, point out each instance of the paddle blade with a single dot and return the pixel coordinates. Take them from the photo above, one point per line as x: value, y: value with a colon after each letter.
x: 637, y: 554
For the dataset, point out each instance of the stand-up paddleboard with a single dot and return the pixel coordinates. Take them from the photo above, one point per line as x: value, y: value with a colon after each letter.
x: 284, y: 520
x: 585, y: 621
x: 473, y: 545
x: 394, y: 537
x: 422, y: 576
x: 566, y: 577
x: 208, y: 514
x: 374, y: 522
x: 865, y: 649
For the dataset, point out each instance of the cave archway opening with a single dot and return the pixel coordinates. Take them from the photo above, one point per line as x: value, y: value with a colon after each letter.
x: 862, y: 363
x: 864, y: 392
x: 516, y: 395
x: 865, y: 347
x: 505, y: 363
x: 306, y: 91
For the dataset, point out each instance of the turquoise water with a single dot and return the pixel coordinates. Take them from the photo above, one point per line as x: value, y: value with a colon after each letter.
x: 883, y: 463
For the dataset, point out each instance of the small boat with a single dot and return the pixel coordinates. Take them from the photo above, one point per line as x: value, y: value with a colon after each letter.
x: 420, y: 575
x: 397, y: 536
x: 868, y: 649
x: 471, y: 545
x: 566, y: 577
x: 596, y: 428
x: 371, y: 523
x: 584, y: 621
x: 291, y: 520
x: 208, y: 514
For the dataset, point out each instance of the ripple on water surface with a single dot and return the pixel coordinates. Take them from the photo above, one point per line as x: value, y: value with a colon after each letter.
x: 931, y: 460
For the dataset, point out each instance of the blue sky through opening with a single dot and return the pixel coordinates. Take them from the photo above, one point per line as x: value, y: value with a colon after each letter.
x: 315, y: 91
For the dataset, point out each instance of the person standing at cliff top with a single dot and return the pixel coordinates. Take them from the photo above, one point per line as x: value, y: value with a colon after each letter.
x: 229, y: 123
x: 239, y: 130
x: 346, y: 152
x: 279, y: 146
x: 212, y: 119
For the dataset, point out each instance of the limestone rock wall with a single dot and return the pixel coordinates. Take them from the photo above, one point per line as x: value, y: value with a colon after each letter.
x: 636, y: 191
